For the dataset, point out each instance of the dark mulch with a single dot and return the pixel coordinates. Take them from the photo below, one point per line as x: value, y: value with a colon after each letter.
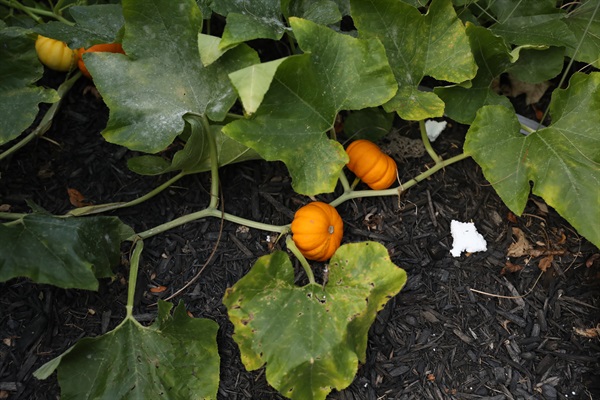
x: 460, y: 329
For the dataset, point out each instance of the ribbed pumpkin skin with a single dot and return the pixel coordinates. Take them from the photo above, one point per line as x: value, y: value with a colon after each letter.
x: 100, y: 48
x: 54, y: 54
x: 371, y: 165
x: 317, y: 230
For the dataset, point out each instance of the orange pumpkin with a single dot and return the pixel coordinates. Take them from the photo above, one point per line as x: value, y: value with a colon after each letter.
x: 371, y: 165
x: 54, y: 54
x: 101, y: 48
x: 317, y: 230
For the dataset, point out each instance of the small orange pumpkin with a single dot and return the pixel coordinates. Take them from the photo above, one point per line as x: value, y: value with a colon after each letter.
x: 54, y: 54
x: 371, y: 165
x: 317, y: 230
x: 100, y: 48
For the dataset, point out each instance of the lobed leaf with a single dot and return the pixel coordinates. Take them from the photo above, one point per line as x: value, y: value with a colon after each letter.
x: 162, y: 78
x: 175, y: 358
x: 324, y: 12
x: 493, y: 58
x: 64, y: 252
x: 19, y: 70
x: 97, y: 23
x: 257, y: 19
x: 531, y: 23
x: 327, y: 325
x: 584, y: 22
x: 337, y: 72
x: 562, y: 160
x: 417, y: 45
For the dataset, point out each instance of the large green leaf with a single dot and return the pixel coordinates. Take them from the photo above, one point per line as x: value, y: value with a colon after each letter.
x: 324, y: 12
x: 337, y: 72
x: 531, y: 22
x: 311, y: 338
x: 584, y: 22
x: 417, y: 45
x: 253, y: 82
x: 99, y: 23
x: 175, y: 358
x: 562, y: 160
x: 161, y: 78
x: 248, y: 20
x: 535, y: 65
x: 64, y: 252
x: 493, y: 57
x: 19, y: 70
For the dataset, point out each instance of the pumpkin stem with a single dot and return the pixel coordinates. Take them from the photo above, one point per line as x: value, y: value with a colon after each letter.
x: 427, y: 143
x: 331, y: 229
x: 289, y: 242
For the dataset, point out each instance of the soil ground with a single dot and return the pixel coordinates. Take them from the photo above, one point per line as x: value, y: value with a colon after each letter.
x: 479, y: 326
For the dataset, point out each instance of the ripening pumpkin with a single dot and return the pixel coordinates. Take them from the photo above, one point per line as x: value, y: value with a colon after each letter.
x: 317, y: 230
x: 54, y: 54
x: 100, y: 48
x: 371, y: 165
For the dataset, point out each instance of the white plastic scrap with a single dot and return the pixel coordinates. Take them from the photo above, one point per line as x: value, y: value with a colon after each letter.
x: 466, y: 238
x: 434, y: 128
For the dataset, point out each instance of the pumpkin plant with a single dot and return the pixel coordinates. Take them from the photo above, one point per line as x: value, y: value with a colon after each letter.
x: 174, y: 81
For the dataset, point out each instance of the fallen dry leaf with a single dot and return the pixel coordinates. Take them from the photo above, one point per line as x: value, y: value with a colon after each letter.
x: 590, y: 261
x: 158, y: 289
x: 76, y: 198
x: 4, y: 207
x: 510, y: 268
x: 545, y: 263
x: 533, y: 91
x: 588, y: 333
x: 541, y: 206
x: 521, y: 247
x: 512, y: 217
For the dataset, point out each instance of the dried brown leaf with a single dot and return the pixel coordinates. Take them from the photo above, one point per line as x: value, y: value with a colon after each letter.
x: 76, y: 198
x: 510, y: 268
x: 521, y: 247
x: 545, y: 263
x: 533, y: 91
x: 589, y: 332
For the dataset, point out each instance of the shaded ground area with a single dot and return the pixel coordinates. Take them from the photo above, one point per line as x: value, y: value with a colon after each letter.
x: 463, y: 328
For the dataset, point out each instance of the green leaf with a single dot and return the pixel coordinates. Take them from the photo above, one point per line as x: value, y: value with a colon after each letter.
x: 64, y: 252
x: 175, y: 358
x: 337, y: 72
x: 538, y: 65
x: 195, y: 156
x: 584, y: 22
x: 370, y: 123
x: 161, y: 78
x: 562, y: 160
x: 536, y: 23
x: 417, y: 45
x: 324, y: 12
x: 253, y: 82
x: 493, y: 58
x: 257, y: 19
x: 19, y: 70
x: 327, y: 325
x: 99, y: 23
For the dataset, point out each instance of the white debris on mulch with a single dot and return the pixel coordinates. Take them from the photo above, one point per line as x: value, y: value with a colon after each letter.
x: 466, y: 238
x: 434, y: 128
